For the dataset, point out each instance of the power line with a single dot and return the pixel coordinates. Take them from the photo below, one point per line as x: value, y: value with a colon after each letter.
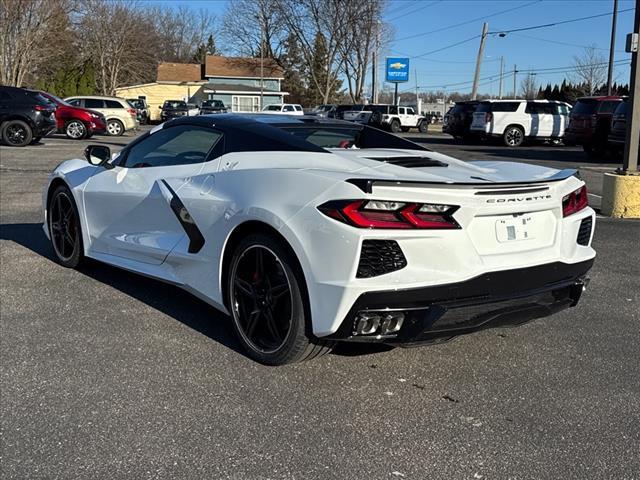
x: 563, y: 43
x: 554, y: 24
x: 446, y: 47
x: 466, y: 22
x: 409, y: 3
x: 421, y: 7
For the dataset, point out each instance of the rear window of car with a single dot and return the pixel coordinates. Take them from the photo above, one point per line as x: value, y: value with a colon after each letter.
x: 463, y: 107
x: 608, y: 106
x: 173, y: 104
x: 621, y: 109
x: 93, y: 103
x: 584, y: 107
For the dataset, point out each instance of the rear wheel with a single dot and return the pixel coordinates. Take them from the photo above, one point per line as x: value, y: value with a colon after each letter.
x: 513, y: 136
x: 395, y: 126
x: 115, y: 128
x: 17, y: 133
x: 64, y: 227
x: 75, y: 130
x: 423, y: 127
x: 267, y: 303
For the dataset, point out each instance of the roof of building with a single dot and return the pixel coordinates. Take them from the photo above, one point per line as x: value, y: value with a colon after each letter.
x: 179, y: 72
x: 242, y: 67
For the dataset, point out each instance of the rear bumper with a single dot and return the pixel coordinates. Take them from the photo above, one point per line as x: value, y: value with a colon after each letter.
x: 580, y: 137
x: 495, y: 299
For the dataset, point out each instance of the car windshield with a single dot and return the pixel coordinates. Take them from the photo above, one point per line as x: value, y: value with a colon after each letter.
x: 136, y: 103
x: 585, y: 107
x: 213, y: 103
x: 174, y: 104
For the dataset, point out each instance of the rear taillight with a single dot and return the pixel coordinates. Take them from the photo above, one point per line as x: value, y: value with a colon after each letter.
x: 390, y: 214
x: 575, y: 201
x: 42, y: 108
x: 488, y: 117
x: 132, y: 111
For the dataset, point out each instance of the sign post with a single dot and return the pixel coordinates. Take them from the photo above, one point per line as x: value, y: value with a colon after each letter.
x: 397, y: 71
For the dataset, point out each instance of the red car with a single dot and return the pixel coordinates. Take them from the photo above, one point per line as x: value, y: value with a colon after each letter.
x: 590, y: 123
x: 75, y: 122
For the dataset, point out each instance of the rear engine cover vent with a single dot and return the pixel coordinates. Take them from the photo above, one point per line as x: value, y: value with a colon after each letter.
x: 584, y: 233
x: 379, y: 257
x: 410, y: 162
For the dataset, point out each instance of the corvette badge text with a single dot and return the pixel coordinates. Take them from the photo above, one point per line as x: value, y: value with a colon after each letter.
x: 519, y: 199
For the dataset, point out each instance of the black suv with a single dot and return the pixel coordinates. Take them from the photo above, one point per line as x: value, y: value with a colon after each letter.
x: 212, y: 106
x: 25, y: 116
x: 457, y: 121
x: 142, y: 109
x: 173, y: 109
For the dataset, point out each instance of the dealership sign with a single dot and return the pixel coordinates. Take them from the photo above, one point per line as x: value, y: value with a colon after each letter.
x: 397, y: 70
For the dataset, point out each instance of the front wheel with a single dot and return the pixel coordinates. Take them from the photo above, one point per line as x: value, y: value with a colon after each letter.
x: 423, y: 127
x: 268, y: 304
x: 75, y: 130
x: 115, y: 128
x: 64, y: 228
x: 513, y: 136
x: 395, y: 126
x: 17, y: 133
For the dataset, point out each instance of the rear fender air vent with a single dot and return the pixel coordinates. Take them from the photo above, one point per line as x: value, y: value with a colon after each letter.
x: 378, y: 257
x: 584, y: 232
x: 410, y: 162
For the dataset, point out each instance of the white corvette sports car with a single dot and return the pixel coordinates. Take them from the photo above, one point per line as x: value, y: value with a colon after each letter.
x: 309, y: 231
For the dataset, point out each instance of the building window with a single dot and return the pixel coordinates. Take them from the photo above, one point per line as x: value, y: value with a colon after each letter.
x: 241, y: 103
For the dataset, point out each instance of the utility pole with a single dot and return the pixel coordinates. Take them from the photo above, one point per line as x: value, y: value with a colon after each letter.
x: 613, y: 46
x: 630, y: 161
x: 501, y: 77
x: 476, y: 75
x: 415, y: 71
x: 515, y: 74
x: 374, y: 68
x: 261, y: 66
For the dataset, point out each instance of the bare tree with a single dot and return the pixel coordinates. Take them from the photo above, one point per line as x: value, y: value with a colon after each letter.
x: 259, y: 24
x: 28, y: 30
x: 120, y: 41
x: 528, y: 87
x: 364, y: 31
x: 321, y: 27
x: 180, y: 32
x: 590, y: 70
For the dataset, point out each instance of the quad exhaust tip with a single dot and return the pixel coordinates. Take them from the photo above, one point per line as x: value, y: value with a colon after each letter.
x: 378, y: 323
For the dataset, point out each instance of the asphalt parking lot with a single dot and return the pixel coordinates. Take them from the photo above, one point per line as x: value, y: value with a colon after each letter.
x: 106, y: 374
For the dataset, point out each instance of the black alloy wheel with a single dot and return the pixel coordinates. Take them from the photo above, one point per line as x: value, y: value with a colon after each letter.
x: 64, y: 228
x: 267, y: 303
x: 513, y: 136
x: 17, y: 133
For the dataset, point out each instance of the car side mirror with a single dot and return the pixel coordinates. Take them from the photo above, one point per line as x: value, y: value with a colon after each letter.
x: 98, y: 155
x: 160, y: 107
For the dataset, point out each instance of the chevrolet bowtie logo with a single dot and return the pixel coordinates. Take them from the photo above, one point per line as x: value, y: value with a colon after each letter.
x: 397, y: 65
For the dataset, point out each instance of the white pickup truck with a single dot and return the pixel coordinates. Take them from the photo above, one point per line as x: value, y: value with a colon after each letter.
x: 283, y: 108
x: 391, y: 117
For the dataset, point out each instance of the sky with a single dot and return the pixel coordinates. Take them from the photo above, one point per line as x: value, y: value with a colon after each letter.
x: 426, y: 31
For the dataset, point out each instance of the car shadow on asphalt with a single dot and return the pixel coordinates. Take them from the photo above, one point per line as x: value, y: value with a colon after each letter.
x: 166, y: 298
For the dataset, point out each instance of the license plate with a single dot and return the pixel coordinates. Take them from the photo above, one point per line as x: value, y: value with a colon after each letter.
x: 515, y: 229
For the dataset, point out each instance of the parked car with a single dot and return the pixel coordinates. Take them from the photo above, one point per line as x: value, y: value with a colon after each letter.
x: 387, y: 242
x: 120, y: 116
x: 173, y: 108
x: 25, y: 116
x: 212, y: 106
x: 283, y: 108
x: 513, y: 121
x: 323, y: 110
x: 457, y: 121
x: 590, y: 123
x: 390, y: 117
x: 75, y: 122
x: 618, y: 134
x: 340, y: 110
x: 142, y: 109
x: 193, y: 109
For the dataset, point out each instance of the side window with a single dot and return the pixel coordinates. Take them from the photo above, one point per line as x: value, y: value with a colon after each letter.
x: 179, y: 145
x: 562, y: 109
x: 298, y: 108
x: 393, y: 110
x: 93, y: 103
x: 288, y: 108
x: 113, y: 104
x: 76, y: 102
x: 410, y: 111
x: 532, y: 108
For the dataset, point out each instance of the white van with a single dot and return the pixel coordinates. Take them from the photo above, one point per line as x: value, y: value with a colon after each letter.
x: 516, y: 120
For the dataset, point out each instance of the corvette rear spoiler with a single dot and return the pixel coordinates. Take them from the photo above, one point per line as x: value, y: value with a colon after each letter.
x: 367, y: 184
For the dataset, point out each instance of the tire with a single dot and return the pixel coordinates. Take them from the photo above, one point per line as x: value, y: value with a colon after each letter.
x: 115, y: 128
x: 16, y: 133
x: 75, y: 130
x: 65, y: 232
x: 513, y: 136
x: 395, y: 126
x: 405, y: 129
x: 423, y: 127
x: 258, y: 263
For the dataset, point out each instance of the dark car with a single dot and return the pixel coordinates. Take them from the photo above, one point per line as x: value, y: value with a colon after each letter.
x: 338, y: 112
x: 25, y: 116
x: 457, y: 121
x: 76, y: 122
x: 142, y: 109
x: 173, y: 109
x: 590, y: 123
x: 618, y: 135
x: 212, y: 106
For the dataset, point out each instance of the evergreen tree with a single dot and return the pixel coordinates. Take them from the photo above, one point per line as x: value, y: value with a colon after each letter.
x: 296, y: 74
x: 204, y: 49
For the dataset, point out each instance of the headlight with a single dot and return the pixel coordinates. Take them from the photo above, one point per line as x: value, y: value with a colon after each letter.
x: 93, y: 115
